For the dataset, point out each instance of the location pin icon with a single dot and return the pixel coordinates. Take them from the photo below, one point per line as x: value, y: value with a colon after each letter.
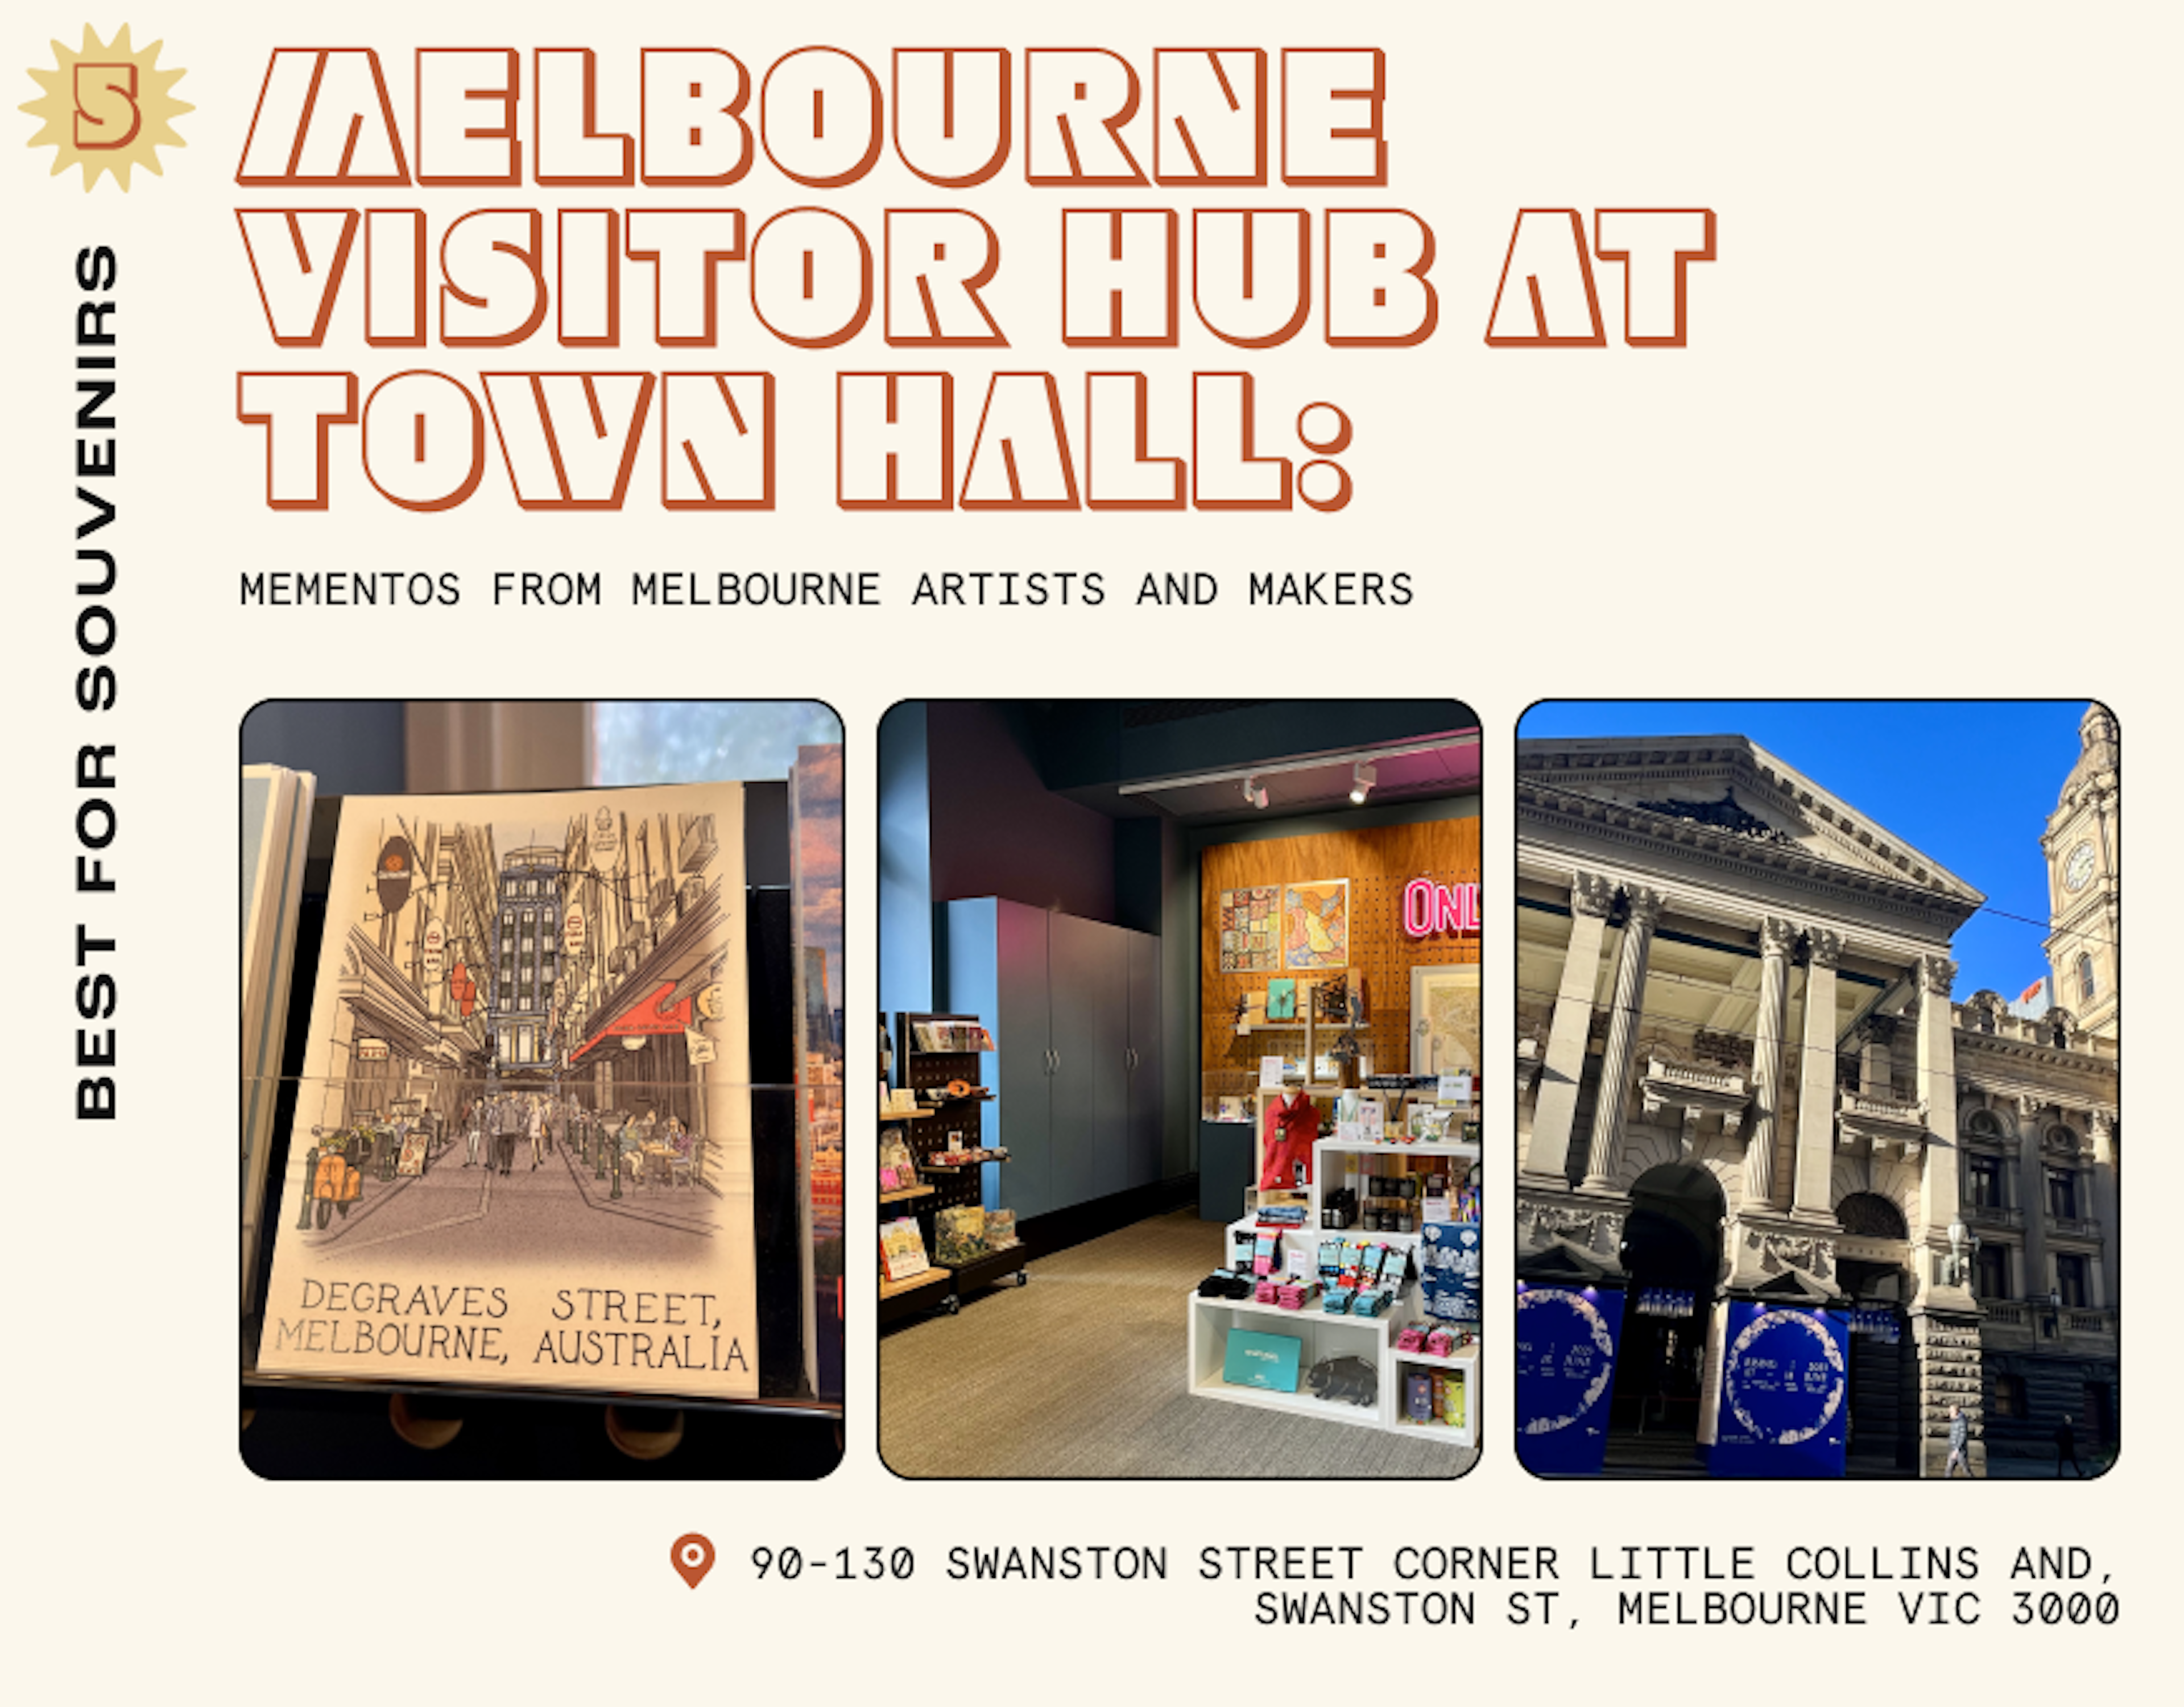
x: 693, y: 1557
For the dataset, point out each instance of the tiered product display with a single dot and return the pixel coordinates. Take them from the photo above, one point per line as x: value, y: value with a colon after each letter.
x: 943, y: 1234
x: 1357, y: 1297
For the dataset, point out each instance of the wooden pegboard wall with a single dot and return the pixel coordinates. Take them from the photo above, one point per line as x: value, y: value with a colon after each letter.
x: 1379, y: 863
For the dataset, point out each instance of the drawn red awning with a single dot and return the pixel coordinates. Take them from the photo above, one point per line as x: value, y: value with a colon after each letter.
x: 654, y: 1017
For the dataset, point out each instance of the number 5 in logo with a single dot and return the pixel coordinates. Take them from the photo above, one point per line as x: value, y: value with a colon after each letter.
x: 107, y: 107
x: 106, y: 116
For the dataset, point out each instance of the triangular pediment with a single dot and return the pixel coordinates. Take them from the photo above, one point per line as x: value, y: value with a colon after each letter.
x: 1727, y: 792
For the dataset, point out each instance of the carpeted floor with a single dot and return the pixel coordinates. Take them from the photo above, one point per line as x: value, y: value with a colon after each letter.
x: 1080, y: 1374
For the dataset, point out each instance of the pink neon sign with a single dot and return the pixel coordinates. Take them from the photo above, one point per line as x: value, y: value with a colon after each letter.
x: 1430, y: 907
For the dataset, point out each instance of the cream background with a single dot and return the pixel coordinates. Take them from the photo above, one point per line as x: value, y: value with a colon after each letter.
x: 1923, y: 443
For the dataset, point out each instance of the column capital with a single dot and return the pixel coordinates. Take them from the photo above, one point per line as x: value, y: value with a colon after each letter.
x: 1936, y: 973
x: 1824, y: 947
x: 1777, y: 936
x: 1877, y: 1028
x: 1642, y: 905
x: 1591, y: 893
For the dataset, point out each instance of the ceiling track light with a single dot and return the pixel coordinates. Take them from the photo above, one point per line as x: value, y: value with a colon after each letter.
x: 1362, y: 777
x: 1254, y: 793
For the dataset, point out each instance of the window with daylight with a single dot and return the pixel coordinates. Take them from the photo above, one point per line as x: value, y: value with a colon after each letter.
x: 1991, y: 1280
x: 1983, y: 1182
x: 705, y: 740
x: 2085, y: 978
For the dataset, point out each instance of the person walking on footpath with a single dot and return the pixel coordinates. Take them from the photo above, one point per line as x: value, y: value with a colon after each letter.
x: 2066, y: 1450
x: 473, y: 1130
x: 536, y: 1129
x: 1960, y: 1434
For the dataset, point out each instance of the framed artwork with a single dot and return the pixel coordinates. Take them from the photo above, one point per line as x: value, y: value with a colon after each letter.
x: 1443, y: 1019
x: 1250, y: 928
x: 1316, y: 925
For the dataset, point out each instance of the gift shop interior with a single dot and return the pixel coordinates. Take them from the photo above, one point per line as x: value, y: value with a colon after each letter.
x: 1178, y: 1118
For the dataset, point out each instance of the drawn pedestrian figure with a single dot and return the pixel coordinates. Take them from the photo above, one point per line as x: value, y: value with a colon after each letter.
x: 505, y: 1116
x: 535, y: 1125
x: 473, y: 1129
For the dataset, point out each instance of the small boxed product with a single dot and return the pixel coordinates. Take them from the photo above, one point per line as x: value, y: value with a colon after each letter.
x: 1441, y: 1343
x: 1418, y: 1398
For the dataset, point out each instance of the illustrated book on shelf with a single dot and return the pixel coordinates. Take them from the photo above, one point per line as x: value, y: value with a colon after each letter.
x: 521, y: 1148
x: 902, y: 1249
x: 959, y: 1235
x: 898, y: 1167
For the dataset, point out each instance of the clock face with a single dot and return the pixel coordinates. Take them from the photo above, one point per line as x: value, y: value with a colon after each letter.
x: 2079, y: 871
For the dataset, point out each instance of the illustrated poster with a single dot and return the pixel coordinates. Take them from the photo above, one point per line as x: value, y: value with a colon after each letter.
x: 1249, y: 927
x: 1316, y: 925
x: 510, y: 1163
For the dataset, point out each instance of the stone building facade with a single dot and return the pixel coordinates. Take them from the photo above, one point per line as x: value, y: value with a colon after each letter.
x: 1742, y: 1073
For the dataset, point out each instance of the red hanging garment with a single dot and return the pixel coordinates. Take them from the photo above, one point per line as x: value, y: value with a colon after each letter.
x: 1289, y: 1133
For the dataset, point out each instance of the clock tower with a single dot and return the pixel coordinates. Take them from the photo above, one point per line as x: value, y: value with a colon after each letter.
x: 2084, y: 847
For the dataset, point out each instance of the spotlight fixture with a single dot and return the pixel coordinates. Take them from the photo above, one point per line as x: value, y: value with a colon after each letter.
x: 1363, y: 776
x: 1254, y: 793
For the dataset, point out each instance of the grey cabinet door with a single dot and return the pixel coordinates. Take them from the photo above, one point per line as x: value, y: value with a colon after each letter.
x: 1089, y: 977
x: 1144, y: 1143
x: 1023, y: 1036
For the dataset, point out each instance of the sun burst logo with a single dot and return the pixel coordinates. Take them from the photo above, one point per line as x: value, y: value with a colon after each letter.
x: 107, y: 107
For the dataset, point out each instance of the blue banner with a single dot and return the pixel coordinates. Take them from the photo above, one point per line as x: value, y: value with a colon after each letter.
x: 1785, y: 1393
x: 1565, y: 1344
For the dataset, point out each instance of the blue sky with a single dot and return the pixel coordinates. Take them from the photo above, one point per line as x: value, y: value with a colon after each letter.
x: 1969, y: 783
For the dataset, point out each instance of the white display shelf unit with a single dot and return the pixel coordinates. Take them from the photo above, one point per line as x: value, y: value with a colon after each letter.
x: 1323, y: 1335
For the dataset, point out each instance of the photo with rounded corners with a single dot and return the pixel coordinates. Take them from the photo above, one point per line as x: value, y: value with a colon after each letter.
x: 1818, y: 1116
x: 542, y: 1089
x: 1178, y: 1136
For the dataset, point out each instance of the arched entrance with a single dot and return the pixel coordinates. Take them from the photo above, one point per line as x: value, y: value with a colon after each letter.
x: 1871, y: 1271
x: 1671, y: 1258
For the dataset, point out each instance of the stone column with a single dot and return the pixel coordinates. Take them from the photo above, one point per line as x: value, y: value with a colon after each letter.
x: 1816, y: 1080
x: 1945, y: 1321
x: 1547, y: 1155
x: 1775, y: 936
x: 2103, y: 1185
x: 1940, y: 1194
x: 2032, y: 1183
x: 1642, y: 913
x: 1874, y: 1033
